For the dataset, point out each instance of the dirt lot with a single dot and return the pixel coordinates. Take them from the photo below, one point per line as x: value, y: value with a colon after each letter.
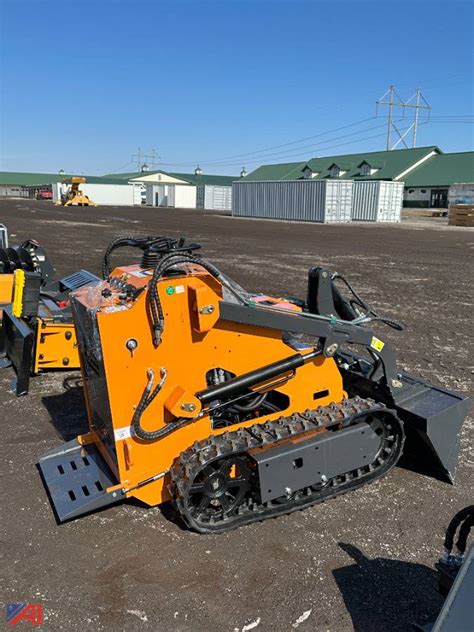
x: 361, y: 562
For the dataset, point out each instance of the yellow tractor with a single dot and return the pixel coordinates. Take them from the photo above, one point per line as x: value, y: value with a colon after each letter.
x: 74, y: 196
x: 237, y: 406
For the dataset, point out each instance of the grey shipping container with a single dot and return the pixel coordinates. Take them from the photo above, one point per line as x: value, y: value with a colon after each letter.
x: 326, y: 201
x: 377, y: 201
x: 214, y: 197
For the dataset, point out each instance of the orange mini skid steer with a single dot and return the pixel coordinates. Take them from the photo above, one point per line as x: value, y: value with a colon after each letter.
x: 204, y: 394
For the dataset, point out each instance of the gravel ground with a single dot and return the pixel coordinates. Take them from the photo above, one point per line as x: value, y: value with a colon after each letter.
x: 361, y: 562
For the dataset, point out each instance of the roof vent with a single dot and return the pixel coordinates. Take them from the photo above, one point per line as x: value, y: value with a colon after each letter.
x: 198, y: 171
x: 145, y: 167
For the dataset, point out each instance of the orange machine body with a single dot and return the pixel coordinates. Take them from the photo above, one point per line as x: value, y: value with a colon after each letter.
x: 194, y: 341
x: 6, y: 288
x: 56, y: 346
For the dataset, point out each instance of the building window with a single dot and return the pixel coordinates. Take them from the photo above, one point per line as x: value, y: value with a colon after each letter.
x: 411, y: 190
x: 365, y: 169
x: 423, y: 190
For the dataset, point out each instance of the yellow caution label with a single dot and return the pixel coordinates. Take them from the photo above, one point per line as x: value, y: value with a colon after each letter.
x: 377, y: 344
x: 18, y: 288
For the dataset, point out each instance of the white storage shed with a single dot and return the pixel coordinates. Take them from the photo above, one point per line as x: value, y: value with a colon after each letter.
x: 325, y: 201
x: 171, y: 195
x: 377, y: 201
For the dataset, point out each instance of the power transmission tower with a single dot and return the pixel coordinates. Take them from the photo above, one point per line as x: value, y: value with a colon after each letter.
x: 392, y: 99
x: 140, y: 157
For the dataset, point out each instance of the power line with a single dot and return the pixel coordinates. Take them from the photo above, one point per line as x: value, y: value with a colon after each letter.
x: 122, y: 167
x: 259, y: 151
x: 286, y: 151
x: 352, y: 142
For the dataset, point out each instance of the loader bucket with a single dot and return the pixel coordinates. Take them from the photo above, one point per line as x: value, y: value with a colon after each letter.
x: 433, y: 417
x: 16, y: 349
x: 76, y: 478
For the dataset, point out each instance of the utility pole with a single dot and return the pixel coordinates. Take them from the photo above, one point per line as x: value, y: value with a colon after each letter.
x: 417, y: 109
x: 390, y: 108
x: 141, y: 157
x: 416, y: 101
x: 138, y: 157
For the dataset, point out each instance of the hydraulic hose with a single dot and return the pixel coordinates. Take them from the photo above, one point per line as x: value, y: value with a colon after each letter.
x: 465, y: 516
x: 370, y: 315
x: 167, y: 262
x: 256, y: 402
x: 147, y: 397
x: 121, y: 242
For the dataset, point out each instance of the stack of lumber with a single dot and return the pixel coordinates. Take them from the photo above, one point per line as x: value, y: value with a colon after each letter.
x: 461, y: 215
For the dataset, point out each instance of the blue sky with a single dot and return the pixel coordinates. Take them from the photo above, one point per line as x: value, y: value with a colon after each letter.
x: 85, y: 83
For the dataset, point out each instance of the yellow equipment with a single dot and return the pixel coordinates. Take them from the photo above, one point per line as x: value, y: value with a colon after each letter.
x: 74, y: 196
x: 6, y: 288
x: 37, y: 331
x: 204, y: 394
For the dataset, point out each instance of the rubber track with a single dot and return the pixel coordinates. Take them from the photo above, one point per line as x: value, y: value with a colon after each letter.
x: 191, y: 461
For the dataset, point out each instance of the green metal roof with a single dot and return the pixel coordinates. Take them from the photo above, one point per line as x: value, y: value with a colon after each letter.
x: 32, y: 179
x: 128, y: 176
x: 283, y: 171
x: 190, y: 178
x: 389, y: 165
x: 443, y: 170
x: 222, y: 181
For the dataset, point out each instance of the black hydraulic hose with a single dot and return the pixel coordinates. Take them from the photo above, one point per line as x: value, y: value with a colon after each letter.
x: 466, y: 513
x: 464, y: 532
x: 240, y: 383
x: 147, y: 397
x: 370, y: 313
x: 121, y: 242
x: 256, y: 402
x: 154, y: 299
x: 359, y: 299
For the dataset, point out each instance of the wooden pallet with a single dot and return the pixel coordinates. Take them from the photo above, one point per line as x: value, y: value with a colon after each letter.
x: 461, y: 215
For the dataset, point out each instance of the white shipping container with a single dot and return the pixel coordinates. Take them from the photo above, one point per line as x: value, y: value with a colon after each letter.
x: 214, y: 197
x: 377, y: 201
x: 103, y: 194
x: 326, y: 201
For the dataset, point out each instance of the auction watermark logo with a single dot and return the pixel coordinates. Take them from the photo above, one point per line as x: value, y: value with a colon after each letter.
x: 32, y: 612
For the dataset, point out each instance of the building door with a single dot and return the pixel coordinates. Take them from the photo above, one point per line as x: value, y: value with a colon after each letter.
x: 439, y: 198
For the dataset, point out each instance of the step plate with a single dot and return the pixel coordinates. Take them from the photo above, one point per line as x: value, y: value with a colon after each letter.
x: 76, y: 478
